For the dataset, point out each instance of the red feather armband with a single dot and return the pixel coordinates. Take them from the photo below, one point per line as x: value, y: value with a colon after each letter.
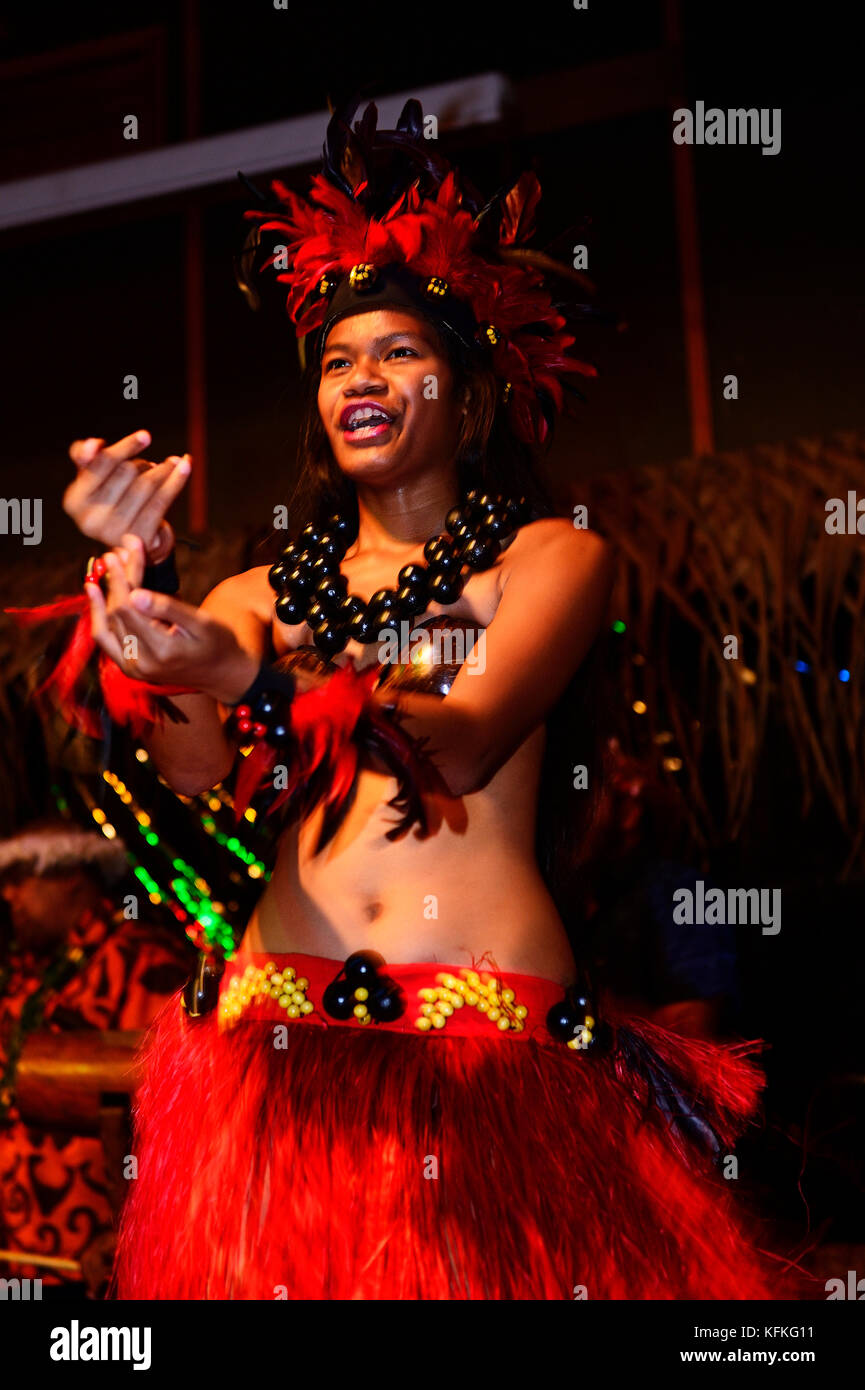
x: 311, y: 745
x: 140, y: 704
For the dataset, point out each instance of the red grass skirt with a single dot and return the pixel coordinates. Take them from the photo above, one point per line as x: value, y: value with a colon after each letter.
x: 379, y: 1162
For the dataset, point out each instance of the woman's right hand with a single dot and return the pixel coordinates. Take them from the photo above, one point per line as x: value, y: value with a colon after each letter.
x: 118, y: 493
x: 153, y: 637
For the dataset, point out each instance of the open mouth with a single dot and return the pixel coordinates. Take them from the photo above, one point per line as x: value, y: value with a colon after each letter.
x: 365, y: 421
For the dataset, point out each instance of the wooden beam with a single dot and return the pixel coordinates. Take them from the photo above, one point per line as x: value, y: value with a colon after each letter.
x: 215, y: 159
x: 193, y: 270
x: 690, y: 278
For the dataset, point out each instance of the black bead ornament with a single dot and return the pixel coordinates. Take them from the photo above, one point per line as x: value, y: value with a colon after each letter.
x: 277, y: 575
x: 201, y: 992
x: 310, y: 585
x: 482, y: 554
x: 413, y: 600
x: 413, y: 576
x: 331, y: 545
x: 299, y: 578
x: 290, y: 608
x: 462, y: 534
x: 362, y: 990
x: 340, y: 528
x: 363, y: 629
x: 496, y: 526
x: 362, y: 967
x: 574, y: 1021
x: 445, y: 588
x: 330, y: 592
x: 338, y: 999
x: 323, y: 566
x: 329, y: 638
x: 350, y: 608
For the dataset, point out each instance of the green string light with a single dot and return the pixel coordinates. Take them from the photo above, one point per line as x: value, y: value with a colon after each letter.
x: 191, y: 900
x: 233, y: 845
x: 195, y: 902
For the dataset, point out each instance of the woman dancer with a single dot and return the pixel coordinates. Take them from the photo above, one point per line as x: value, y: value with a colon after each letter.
x: 399, y: 1088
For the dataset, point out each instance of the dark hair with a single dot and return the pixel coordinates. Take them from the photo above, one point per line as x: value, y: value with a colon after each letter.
x: 321, y: 488
x: 489, y: 456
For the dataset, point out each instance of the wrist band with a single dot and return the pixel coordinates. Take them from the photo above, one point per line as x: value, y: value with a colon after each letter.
x: 162, y: 578
x: 267, y: 679
x: 261, y: 710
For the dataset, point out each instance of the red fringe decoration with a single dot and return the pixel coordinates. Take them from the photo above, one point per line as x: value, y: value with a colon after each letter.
x: 329, y: 727
x: 366, y: 1165
x: 140, y: 704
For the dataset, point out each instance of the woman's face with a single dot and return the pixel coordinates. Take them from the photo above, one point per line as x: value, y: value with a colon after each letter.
x: 386, y: 396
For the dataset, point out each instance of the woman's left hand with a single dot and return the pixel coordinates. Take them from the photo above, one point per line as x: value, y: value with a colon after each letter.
x: 153, y: 637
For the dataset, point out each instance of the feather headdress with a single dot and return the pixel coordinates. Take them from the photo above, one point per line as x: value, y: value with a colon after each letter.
x: 389, y: 221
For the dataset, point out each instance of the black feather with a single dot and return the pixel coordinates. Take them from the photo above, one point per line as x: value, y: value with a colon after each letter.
x: 385, y: 162
x: 265, y: 199
x: 411, y: 119
x: 244, y: 264
x: 684, y: 1115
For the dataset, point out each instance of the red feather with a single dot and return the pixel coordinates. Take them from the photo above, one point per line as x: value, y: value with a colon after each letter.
x: 330, y: 725
x: 253, y: 769
x: 137, y: 703
x: 585, y: 1189
x: 140, y: 704
x: 330, y: 232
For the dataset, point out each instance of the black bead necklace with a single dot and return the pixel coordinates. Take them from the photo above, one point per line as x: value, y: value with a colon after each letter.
x: 312, y: 588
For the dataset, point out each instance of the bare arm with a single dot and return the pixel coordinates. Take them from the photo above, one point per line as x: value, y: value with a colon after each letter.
x: 217, y: 647
x: 553, y: 604
x: 193, y: 757
x: 120, y: 499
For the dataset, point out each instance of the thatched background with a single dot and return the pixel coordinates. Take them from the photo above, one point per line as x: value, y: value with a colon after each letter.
x: 729, y: 544
x: 737, y: 544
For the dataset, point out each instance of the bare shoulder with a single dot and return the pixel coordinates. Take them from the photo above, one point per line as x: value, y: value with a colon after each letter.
x: 249, y: 589
x: 553, y: 545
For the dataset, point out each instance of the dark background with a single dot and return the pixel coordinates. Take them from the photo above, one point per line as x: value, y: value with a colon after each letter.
x: 87, y: 300
x: 90, y: 298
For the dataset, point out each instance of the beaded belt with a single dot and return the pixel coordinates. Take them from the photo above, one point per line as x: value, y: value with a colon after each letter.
x: 364, y: 992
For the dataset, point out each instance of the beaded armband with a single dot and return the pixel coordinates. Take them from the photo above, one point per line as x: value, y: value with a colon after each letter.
x: 261, y: 711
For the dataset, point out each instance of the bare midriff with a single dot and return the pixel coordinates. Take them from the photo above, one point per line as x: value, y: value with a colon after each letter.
x: 471, y: 889
x: 469, y: 892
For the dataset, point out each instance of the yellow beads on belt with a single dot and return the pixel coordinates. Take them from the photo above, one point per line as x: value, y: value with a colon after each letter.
x: 449, y: 993
x: 361, y: 1012
x: 584, y: 1037
x: 258, y: 983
